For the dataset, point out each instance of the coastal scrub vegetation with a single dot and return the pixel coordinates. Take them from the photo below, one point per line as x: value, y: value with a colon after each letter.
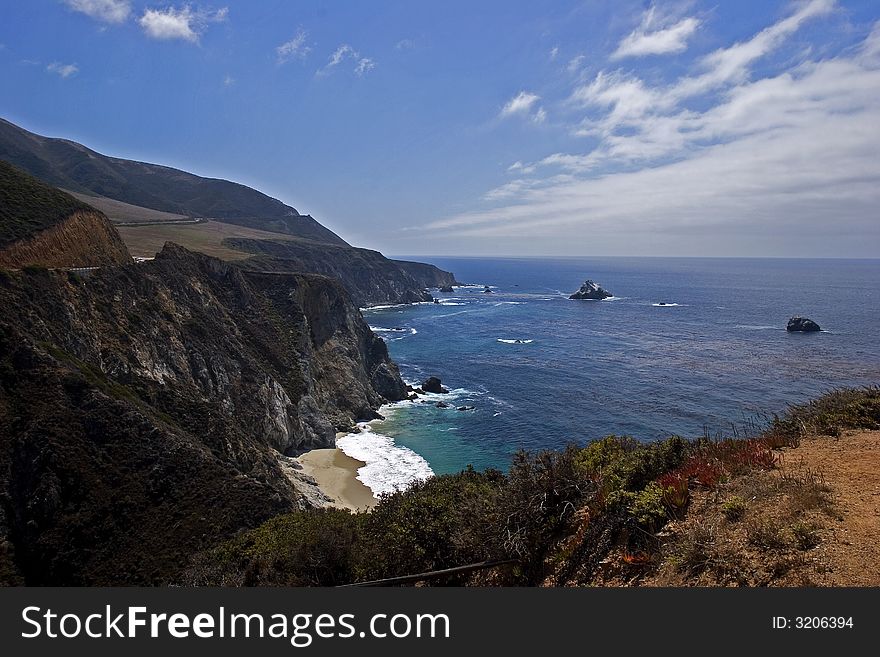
x: 616, y: 511
x: 28, y: 206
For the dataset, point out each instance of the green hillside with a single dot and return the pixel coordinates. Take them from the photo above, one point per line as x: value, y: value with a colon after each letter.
x: 28, y: 206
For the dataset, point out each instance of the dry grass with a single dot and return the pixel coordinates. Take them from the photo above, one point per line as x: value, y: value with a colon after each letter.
x: 207, y: 237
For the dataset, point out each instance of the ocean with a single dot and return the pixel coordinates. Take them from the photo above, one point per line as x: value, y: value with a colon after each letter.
x: 541, y: 370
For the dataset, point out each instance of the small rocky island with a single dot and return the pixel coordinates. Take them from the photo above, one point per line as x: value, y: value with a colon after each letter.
x: 798, y: 324
x: 591, y: 290
x: 446, y: 289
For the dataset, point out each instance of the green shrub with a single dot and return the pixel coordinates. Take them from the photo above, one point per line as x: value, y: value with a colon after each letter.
x: 446, y: 521
x: 311, y: 548
x: 848, y: 408
x: 649, y: 508
x: 734, y: 508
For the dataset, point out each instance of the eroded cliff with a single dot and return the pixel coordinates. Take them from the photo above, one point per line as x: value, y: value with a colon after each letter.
x: 143, y: 409
x: 369, y: 277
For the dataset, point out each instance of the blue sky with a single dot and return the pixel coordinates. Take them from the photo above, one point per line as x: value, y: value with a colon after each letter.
x: 486, y: 128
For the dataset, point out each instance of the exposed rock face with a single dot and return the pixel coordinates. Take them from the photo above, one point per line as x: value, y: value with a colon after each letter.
x: 428, y: 275
x: 433, y: 384
x: 369, y: 277
x: 85, y: 239
x: 591, y: 290
x: 41, y: 225
x: 143, y: 410
x: 446, y: 289
x: 799, y: 324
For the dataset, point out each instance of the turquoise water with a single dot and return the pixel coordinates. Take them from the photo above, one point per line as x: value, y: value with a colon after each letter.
x: 719, y: 358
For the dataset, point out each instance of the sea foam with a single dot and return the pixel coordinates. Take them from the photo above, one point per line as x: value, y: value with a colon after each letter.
x: 389, y: 467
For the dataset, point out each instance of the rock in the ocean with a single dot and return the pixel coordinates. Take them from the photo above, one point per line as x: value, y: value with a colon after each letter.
x: 487, y: 290
x: 433, y: 384
x: 802, y: 325
x: 436, y: 300
x: 591, y: 290
x: 447, y: 289
x: 465, y: 408
x: 441, y: 405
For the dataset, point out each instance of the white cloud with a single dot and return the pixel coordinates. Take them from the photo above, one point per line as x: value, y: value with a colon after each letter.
x: 523, y: 105
x: 106, y: 11
x: 784, y: 163
x: 574, y: 64
x: 731, y: 64
x: 554, y: 53
x: 229, y: 81
x: 184, y: 23
x: 296, y: 48
x: 63, y: 70
x: 520, y: 104
x: 364, y: 64
x: 405, y: 44
x: 344, y: 53
x: 654, y: 37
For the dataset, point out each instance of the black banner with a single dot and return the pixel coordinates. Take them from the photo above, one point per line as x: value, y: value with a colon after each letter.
x: 432, y: 621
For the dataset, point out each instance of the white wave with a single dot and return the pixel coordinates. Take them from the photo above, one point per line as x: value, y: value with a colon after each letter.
x: 509, y: 303
x: 380, y: 329
x: 496, y: 414
x: 452, y: 303
x: 759, y: 327
x: 517, y: 341
x: 665, y: 305
x: 394, y: 305
x: 474, y: 286
x: 389, y: 467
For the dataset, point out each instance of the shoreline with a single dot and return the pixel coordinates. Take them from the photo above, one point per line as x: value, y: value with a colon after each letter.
x: 336, y: 475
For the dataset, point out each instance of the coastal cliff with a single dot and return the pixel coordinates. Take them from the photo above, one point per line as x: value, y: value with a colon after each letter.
x: 369, y: 277
x: 144, y: 410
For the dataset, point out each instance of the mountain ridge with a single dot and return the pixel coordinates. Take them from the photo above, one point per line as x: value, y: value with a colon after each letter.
x: 67, y: 164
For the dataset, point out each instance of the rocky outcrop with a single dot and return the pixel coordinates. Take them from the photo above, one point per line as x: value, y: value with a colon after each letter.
x: 799, y: 324
x: 369, y: 277
x: 434, y: 384
x: 446, y: 289
x: 592, y: 291
x: 84, y: 239
x: 143, y: 410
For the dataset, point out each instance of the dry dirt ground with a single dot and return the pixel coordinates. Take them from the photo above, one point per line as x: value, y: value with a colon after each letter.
x: 814, y: 520
x: 850, y: 465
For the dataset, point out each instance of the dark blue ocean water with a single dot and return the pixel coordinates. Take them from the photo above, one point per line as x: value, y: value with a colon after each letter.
x: 718, y: 359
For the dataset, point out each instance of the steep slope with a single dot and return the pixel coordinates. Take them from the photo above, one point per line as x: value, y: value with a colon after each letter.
x: 72, y: 166
x: 143, y: 410
x: 369, y: 277
x: 40, y: 225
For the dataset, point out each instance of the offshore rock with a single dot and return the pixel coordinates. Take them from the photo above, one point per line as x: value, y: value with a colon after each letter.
x: 799, y: 324
x: 591, y: 290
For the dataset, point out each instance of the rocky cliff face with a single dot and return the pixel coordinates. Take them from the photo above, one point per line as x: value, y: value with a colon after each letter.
x: 427, y: 275
x: 369, y: 277
x: 84, y: 239
x: 143, y: 409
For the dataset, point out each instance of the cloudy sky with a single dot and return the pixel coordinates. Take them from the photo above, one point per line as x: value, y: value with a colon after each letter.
x: 487, y: 128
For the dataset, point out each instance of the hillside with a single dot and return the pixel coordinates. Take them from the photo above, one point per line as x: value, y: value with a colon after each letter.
x: 72, y: 166
x: 795, y: 505
x: 144, y: 410
x: 369, y: 277
x: 41, y: 225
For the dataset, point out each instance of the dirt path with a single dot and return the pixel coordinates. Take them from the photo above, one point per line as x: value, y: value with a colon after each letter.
x: 850, y: 552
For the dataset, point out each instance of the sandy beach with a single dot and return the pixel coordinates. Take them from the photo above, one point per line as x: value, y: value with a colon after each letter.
x: 336, y: 473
